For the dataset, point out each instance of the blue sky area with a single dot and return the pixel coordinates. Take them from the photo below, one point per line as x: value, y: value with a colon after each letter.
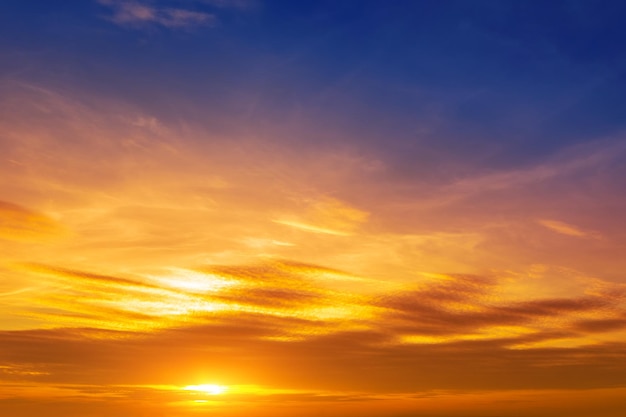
x: 499, y: 82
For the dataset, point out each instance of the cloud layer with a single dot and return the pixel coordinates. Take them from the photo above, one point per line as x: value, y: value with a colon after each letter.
x: 143, y: 257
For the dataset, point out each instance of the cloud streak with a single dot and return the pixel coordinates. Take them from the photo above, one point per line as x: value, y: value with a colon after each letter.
x: 563, y: 228
x: 21, y: 224
x: 136, y: 14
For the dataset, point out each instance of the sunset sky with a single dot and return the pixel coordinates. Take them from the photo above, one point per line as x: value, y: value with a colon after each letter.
x: 298, y: 208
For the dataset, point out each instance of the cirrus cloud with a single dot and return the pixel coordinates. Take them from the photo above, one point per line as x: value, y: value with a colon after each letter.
x: 136, y: 14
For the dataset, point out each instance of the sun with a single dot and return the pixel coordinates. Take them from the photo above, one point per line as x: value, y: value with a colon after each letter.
x: 210, y: 389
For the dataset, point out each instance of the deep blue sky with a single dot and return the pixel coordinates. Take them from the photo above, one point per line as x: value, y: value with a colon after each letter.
x: 494, y: 82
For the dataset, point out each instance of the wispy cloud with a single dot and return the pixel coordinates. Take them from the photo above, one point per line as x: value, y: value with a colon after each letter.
x: 134, y: 14
x: 468, y: 307
x: 20, y: 223
x: 327, y: 216
x: 449, y: 309
x: 563, y: 228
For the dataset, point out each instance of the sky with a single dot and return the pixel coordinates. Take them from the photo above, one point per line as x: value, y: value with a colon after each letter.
x: 312, y: 208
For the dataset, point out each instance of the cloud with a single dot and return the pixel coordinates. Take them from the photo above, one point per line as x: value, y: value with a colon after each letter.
x: 21, y: 224
x: 468, y: 308
x: 239, y: 352
x: 133, y: 14
x: 601, y: 325
x: 276, y: 311
x: 327, y: 216
x: 86, y: 276
x: 181, y: 297
x: 565, y: 165
x: 563, y: 228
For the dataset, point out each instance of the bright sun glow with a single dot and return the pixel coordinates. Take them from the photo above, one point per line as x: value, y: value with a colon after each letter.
x: 210, y: 389
x: 193, y: 281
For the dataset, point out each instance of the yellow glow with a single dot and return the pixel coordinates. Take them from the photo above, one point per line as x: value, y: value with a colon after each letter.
x: 184, y: 279
x: 210, y: 389
x: 312, y: 228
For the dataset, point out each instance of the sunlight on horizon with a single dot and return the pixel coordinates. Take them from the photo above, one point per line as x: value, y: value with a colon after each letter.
x: 211, y: 389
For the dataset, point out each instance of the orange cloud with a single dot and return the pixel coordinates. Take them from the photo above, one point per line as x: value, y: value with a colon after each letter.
x: 21, y: 224
x: 329, y: 216
x: 563, y: 228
